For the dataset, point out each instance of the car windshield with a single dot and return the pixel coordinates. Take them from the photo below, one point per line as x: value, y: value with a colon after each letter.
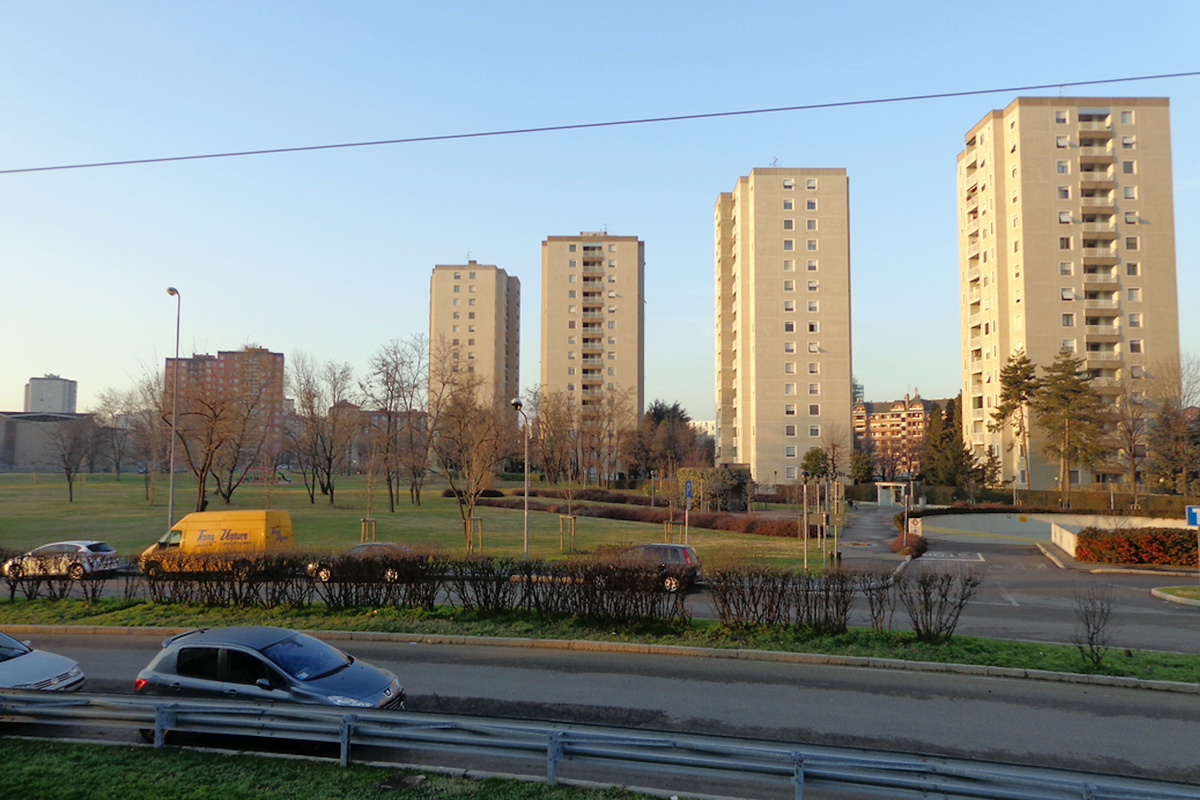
x: 10, y: 647
x: 306, y: 658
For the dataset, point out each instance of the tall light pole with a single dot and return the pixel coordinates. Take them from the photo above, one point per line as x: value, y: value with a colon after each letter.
x: 516, y: 403
x: 171, y: 290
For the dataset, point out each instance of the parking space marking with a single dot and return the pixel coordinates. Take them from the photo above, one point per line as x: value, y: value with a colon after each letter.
x: 954, y: 556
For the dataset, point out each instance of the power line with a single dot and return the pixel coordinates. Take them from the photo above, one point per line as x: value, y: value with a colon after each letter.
x: 609, y: 124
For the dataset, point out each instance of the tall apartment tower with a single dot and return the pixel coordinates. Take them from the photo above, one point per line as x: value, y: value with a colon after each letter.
x: 783, y: 319
x: 475, y: 318
x: 50, y: 394
x: 593, y: 320
x: 1066, y: 240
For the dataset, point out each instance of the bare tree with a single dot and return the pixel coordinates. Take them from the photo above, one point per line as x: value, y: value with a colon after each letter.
x: 835, y: 441
x: 1093, y: 614
x: 151, y: 436
x: 114, y: 417
x: 1131, y: 415
x: 327, y: 422
x: 472, y: 437
x: 383, y: 395
x: 70, y: 441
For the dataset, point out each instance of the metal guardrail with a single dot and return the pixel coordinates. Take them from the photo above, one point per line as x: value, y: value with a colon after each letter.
x: 884, y: 774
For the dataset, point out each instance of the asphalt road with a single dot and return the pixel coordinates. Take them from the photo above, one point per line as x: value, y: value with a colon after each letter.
x: 1102, y: 730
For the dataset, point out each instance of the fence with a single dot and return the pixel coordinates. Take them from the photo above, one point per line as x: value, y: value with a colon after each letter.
x: 676, y: 762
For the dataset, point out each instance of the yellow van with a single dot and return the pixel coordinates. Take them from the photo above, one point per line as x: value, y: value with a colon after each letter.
x: 218, y: 538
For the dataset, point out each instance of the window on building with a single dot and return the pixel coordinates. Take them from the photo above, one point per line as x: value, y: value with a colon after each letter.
x: 814, y: 286
x: 1067, y: 293
x: 1068, y: 345
x: 789, y: 327
x: 814, y: 347
x: 789, y: 409
x: 789, y: 305
x: 788, y: 183
x: 810, y: 245
x: 789, y: 368
x: 814, y: 410
x: 1064, y: 193
x: 470, y: 315
x: 1062, y: 167
x: 457, y: 289
x: 1128, y: 142
x: 570, y: 294
x: 456, y: 315
x: 612, y: 370
x: 789, y: 430
x: 1064, y: 218
x: 789, y: 244
x: 1131, y: 218
x: 1068, y: 320
x: 1137, y: 371
x: 1133, y: 268
x: 1127, y: 168
x: 570, y: 355
x: 1062, y: 141
x: 1135, y: 346
x: 787, y: 204
x: 1135, y: 320
x: 814, y: 306
x: 1066, y: 268
x: 1064, y: 243
x: 814, y: 368
x: 789, y: 451
x: 813, y: 326
x: 1134, y: 295
x: 456, y: 301
x: 1016, y: 221
x: 789, y: 347
x: 1060, y: 117
x: 814, y: 431
x: 814, y: 388
x: 810, y: 184
x: 810, y: 225
x: 789, y: 224
x: 570, y: 370
x: 789, y: 286
x: 612, y: 323
x: 471, y: 301
x: 811, y: 265
x: 810, y: 204
x: 788, y: 265
x: 1131, y: 243
x: 789, y: 389
x: 1130, y: 192
x: 570, y: 248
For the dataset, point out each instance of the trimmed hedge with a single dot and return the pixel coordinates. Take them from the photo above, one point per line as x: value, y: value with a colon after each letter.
x: 1167, y: 546
x: 738, y: 523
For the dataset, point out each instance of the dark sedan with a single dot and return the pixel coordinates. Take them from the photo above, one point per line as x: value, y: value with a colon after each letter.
x: 261, y: 663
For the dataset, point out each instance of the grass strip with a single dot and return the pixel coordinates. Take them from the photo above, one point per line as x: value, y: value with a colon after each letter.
x: 48, y: 770
x: 450, y: 621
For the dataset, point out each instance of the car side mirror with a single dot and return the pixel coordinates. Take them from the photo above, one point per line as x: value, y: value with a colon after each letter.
x: 264, y: 684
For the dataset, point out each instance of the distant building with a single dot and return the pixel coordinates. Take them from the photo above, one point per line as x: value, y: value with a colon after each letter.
x: 894, y: 433
x: 593, y: 320
x: 783, y: 319
x: 26, y: 441
x: 50, y: 394
x: 475, y: 319
x: 252, y: 372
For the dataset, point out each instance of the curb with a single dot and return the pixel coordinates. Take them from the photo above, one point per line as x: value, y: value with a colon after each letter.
x: 583, y: 645
x: 1170, y: 598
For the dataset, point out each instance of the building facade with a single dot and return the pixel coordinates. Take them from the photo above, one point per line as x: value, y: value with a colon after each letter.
x: 250, y: 383
x: 783, y: 380
x: 475, y: 319
x: 1066, y: 241
x: 894, y: 433
x: 593, y: 322
x: 51, y: 395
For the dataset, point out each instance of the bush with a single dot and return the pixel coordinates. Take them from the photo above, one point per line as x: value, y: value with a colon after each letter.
x: 1166, y: 546
x: 910, y: 545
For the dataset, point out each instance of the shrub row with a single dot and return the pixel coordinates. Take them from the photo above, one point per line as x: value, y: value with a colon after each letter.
x: 738, y: 523
x: 1173, y: 546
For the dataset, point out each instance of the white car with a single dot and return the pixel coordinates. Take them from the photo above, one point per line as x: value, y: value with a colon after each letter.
x: 22, y: 667
x: 73, y: 559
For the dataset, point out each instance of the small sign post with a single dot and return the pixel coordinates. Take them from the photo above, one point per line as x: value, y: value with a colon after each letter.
x: 687, y: 489
x: 1193, y: 521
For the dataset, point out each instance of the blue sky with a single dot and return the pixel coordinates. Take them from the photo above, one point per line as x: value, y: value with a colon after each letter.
x: 329, y: 253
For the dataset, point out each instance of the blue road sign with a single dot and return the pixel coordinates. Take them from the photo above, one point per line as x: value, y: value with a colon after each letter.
x: 1193, y: 515
x: 688, y: 489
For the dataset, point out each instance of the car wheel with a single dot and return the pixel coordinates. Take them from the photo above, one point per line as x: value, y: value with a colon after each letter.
x: 75, y: 572
x: 324, y: 574
x: 671, y: 584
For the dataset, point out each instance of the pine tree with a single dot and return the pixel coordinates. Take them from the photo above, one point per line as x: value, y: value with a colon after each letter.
x: 1019, y: 387
x: 1073, y: 416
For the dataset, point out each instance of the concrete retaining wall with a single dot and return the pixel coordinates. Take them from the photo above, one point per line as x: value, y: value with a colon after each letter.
x: 1039, y: 527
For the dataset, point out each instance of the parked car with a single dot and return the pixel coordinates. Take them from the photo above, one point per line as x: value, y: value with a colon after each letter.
x: 262, y: 663
x: 22, y: 667
x: 73, y: 559
x: 678, y: 565
x: 350, y: 564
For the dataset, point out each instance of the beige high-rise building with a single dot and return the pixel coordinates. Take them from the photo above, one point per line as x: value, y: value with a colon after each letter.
x: 475, y: 318
x: 593, y: 320
x: 783, y: 320
x: 1066, y: 240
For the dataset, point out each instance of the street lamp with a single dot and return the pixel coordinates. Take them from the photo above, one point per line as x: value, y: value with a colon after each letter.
x: 516, y: 403
x: 804, y: 516
x: 171, y: 290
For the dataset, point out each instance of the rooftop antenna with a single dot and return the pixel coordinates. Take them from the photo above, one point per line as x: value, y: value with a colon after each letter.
x: 774, y: 162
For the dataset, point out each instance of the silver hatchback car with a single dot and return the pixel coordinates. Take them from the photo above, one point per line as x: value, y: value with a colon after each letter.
x: 74, y: 559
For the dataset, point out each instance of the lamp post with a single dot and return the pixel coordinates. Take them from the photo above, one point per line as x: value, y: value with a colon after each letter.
x: 171, y: 290
x: 804, y: 516
x: 516, y: 403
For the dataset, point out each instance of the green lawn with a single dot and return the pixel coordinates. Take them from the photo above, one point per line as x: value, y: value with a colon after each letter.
x: 46, y: 770
x: 34, y: 510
